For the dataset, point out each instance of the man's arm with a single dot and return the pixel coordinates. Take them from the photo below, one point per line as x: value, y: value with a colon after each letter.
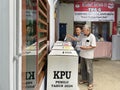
x: 73, y: 38
x: 87, y: 47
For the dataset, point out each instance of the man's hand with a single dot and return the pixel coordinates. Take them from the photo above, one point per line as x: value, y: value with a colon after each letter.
x: 87, y: 47
x: 83, y: 47
x: 68, y: 35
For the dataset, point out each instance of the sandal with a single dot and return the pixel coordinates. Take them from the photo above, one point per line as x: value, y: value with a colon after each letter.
x: 83, y: 82
x: 90, y: 87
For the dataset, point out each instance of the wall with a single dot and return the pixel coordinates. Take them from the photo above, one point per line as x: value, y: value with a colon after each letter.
x: 42, y: 85
x: 57, y: 20
x: 118, y: 20
x: 67, y: 16
x: 6, y: 44
x: 118, y: 17
x: 52, y: 24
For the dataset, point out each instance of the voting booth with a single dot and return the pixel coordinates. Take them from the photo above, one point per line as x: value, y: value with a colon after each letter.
x: 62, y: 69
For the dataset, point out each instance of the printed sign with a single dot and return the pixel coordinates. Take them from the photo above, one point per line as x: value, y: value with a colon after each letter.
x: 94, y: 11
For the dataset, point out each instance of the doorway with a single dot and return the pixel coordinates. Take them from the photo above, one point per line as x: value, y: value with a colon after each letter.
x: 62, y: 31
x: 101, y: 28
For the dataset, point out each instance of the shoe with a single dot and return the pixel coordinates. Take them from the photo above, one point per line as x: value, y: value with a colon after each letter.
x: 90, y: 87
x: 83, y: 82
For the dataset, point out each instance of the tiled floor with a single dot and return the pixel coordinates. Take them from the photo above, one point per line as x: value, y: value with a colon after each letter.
x: 106, y: 75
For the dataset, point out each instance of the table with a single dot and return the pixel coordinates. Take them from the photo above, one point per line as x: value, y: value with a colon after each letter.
x: 103, y: 50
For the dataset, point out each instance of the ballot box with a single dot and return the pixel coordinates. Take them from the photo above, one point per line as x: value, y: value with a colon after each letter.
x: 62, y: 48
x: 62, y: 70
x: 30, y: 67
x: 61, y: 43
x: 58, y: 43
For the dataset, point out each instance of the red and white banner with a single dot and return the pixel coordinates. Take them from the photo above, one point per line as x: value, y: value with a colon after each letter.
x: 94, y: 11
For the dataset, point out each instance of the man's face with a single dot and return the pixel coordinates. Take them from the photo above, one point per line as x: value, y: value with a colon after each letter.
x: 28, y: 29
x: 78, y: 31
x: 85, y: 31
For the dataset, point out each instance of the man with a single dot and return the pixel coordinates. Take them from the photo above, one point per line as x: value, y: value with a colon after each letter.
x: 76, y: 40
x: 87, y: 54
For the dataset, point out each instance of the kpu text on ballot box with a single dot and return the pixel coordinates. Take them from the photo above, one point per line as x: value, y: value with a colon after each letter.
x: 62, y: 70
x: 30, y: 67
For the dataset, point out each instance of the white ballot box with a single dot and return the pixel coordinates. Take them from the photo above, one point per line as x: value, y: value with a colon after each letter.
x: 30, y: 67
x: 67, y: 43
x: 61, y: 43
x: 62, y: 48
x: 62, y: 70
x: 58, y: 43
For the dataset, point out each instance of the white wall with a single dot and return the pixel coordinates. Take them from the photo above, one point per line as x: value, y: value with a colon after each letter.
x: 42, y: 85
x: 57, y: 20
x: 118, y: 15
x: 52, y: 23
x: 67, y: 16
x: 118, y: 20
x: 6, y: 44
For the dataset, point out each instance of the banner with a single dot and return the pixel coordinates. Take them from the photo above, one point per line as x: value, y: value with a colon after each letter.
x: 94, y: 11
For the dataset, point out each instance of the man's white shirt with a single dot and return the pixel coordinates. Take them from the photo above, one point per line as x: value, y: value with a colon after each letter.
x: 88, y: 41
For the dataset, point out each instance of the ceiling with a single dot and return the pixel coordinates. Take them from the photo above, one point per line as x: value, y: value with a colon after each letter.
x: 72, y: 1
